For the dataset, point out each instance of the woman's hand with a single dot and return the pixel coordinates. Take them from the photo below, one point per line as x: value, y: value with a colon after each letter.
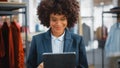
x: 41, y: 65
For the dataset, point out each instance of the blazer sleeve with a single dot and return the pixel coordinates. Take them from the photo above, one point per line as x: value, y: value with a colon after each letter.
x: 82, y: 55
x: 32, y: 57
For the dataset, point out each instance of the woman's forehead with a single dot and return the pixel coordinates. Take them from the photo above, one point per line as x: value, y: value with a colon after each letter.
x: 56, y: 15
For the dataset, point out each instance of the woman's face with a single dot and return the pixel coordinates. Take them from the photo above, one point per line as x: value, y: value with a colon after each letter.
x: 58, y: 23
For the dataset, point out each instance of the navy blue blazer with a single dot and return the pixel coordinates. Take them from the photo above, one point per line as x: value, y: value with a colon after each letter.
x: 41, y: 43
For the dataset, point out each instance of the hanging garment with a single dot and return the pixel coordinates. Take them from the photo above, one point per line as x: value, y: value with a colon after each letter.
x: 18, y: 47
x: 2, y: 50
x: 101, y: 35
x: 0, y: 24
x: 8, y: 60
x: 11, y: 50
x: 112, y: 45
x: 86, y: 33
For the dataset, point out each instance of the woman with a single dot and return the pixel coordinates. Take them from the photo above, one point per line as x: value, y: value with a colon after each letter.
x: 58, y: 15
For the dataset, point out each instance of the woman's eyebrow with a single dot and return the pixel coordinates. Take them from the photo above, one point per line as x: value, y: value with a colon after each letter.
x: 53, y: 17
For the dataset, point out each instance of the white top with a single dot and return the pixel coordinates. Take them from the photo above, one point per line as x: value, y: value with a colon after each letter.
x: 57, y: 43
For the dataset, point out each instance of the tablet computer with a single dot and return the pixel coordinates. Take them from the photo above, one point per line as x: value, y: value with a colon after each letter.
x: 59, y: 60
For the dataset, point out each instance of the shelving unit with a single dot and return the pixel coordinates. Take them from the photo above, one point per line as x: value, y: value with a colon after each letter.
x: 9, y: 9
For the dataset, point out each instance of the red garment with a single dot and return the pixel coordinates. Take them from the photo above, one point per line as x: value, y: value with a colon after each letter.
x: 2, y: 50
x: 8, y: 60
x: 11, y: 50
x: 18, y: 47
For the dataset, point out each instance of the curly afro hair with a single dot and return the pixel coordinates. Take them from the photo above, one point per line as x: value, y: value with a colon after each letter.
x: 69, y: 8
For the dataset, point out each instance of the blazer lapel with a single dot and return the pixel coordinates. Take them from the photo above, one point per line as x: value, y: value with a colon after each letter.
x: 47, y: 42
x: 67, y: 45
x: 67, y: 42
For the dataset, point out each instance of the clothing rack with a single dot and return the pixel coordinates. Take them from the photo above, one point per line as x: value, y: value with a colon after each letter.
x: 107, y: 12
x: 102, y: 34
x: 8, y: 9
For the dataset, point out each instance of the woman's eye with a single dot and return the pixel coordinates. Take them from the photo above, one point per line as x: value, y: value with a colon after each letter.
x: 63, y: 19
x: 54, y: 20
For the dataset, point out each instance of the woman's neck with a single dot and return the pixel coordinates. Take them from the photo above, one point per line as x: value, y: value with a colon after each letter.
x: 57, y: 34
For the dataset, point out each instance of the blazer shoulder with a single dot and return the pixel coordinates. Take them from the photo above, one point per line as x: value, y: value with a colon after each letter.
x: 41, y: 35
x: 76, y: 36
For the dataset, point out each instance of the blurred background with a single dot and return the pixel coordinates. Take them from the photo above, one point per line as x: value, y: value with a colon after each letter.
x: 95, y: 24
